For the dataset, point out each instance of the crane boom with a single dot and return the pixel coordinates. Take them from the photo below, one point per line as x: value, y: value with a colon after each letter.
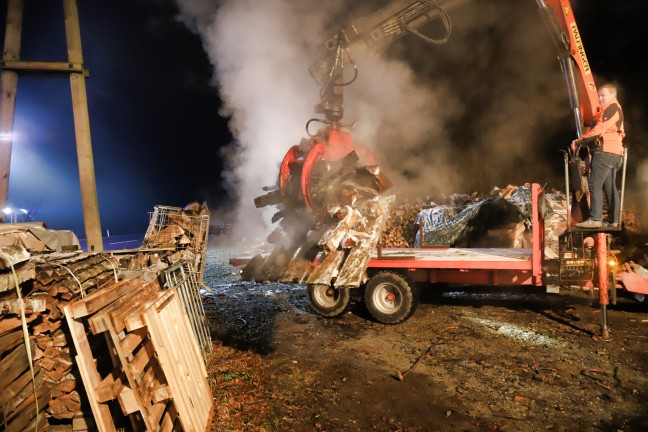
x: 581, y: 89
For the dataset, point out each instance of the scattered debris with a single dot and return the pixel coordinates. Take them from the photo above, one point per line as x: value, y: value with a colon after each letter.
x: 401, y: 375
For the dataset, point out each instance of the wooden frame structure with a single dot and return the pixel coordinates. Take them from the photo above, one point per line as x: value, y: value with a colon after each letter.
x: 139, y: 363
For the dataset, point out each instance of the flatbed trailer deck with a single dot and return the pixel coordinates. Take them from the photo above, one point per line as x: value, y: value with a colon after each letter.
x: 491, y: 266
x: 479, y: 266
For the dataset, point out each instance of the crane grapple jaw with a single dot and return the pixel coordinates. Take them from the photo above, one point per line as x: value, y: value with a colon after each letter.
x: 329, y: 194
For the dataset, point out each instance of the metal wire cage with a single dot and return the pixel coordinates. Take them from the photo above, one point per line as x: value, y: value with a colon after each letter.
x: 184, y: 280
x: 173, y: 227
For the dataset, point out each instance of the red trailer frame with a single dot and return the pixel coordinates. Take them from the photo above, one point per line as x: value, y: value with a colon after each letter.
x: 506, y: 266
x: 485, y: 266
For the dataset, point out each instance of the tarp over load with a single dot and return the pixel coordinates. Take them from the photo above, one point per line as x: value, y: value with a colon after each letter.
x: 463, y: 225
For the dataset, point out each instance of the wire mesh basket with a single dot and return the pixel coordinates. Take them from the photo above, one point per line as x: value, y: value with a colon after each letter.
x: 184, y: 280
x: 176, y: 228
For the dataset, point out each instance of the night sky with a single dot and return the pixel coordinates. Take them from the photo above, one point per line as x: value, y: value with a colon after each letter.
x: 154, y: 108
x: 154, y: 117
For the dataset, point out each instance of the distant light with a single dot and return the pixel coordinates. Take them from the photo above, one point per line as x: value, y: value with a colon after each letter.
x: 7, y: 136
x: 23, y: 211
x: 7, y: 211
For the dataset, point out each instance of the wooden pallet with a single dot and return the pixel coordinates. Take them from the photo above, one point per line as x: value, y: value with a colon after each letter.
x: 138, y: 359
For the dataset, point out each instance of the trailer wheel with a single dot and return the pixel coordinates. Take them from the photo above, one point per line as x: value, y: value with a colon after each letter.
x: 328, y: 301
x: 389, y: 298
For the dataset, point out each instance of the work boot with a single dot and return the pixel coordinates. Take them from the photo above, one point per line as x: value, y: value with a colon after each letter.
x: 590, y: 223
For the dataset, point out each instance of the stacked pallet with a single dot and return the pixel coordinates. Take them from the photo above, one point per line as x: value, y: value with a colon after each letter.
x: 138, y: 358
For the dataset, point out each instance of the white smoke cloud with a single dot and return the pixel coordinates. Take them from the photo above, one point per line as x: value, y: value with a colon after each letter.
x: 261, y: 52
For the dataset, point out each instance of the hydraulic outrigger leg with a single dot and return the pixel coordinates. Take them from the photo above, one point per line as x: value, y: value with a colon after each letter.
x: 602, y: 240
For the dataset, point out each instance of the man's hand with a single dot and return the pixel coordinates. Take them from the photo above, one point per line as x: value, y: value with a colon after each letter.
x: 574, y: 145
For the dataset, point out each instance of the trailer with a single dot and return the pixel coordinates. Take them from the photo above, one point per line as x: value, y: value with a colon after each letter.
x: 395, y: 276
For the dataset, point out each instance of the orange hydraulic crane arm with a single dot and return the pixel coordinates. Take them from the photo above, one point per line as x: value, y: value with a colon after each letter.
x: 559, y: 18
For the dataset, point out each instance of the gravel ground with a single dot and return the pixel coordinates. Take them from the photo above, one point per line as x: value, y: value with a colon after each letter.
x: 480, y: 358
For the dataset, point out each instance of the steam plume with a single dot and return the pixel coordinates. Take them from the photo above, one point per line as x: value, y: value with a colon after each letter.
x: 480, y: 107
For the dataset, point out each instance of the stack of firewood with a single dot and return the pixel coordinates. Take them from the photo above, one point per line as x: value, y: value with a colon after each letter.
x: 47, y: 282
x: 401, y: 229
x: 23, y: 388
x: 61, y: 278
x: 18, y: 396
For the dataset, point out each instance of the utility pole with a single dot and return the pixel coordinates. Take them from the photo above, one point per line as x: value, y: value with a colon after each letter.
x: 11, y: 66
x: 8, y: 84
x: 82, y: 128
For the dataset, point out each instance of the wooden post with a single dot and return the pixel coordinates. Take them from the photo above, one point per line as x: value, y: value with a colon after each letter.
x: 8, y: 84
x: 82, y: 128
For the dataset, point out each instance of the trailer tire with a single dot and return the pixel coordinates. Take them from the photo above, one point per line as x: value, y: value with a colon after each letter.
x: 328, y: 301
x: 390, y: 298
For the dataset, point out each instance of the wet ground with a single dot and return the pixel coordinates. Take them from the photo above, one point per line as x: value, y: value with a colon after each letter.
x: 470, y: 358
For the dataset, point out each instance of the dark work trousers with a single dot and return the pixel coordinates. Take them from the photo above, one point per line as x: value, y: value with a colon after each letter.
x: 603, y: 179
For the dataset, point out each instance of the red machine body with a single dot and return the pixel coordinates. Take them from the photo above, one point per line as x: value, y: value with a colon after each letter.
x: 333, y: 143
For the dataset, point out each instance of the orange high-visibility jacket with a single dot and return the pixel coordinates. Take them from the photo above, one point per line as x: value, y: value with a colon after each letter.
x: 609, y: 125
